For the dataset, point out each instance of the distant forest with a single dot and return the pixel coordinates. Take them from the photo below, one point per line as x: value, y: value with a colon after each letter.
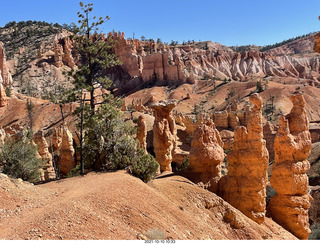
x: 53, y: 29
x: 22, y: 24
x: 244, y: 48
x: 278, y: 44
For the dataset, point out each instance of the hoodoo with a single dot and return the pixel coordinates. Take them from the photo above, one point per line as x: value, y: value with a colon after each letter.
x: 206, y: 156
x: 292, y: 145
x: 245, y: 185
x: 164, y: 133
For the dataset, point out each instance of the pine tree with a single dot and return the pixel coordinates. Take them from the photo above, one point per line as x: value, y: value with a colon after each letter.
x: 95, y: 56
x: 104, y: 135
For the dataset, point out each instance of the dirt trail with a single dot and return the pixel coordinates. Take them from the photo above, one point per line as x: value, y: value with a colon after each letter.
x: 119, y: 206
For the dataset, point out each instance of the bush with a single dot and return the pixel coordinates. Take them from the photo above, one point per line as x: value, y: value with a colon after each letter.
x: 259, y: 87
x: 115, y: 148
x: 184, y: 166
x: 8, y: 92
x: 20, y: 161
x: 145, y: 167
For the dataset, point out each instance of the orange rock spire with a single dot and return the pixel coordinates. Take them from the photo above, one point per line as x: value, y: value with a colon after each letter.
x: 292, y: 145
x: 245, y: 185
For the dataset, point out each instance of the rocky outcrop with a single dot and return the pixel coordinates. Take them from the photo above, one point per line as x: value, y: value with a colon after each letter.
x: 245, y: 185
x: 227, y: 139
x: 220, y: 119
x: 66, y: 152
x: 142, y: 133
x: 231, y: 117
x: 206, y: 156
x: 151, y: 61
x: 292, y: 145
x: 5, y: 75
x: 62, y: 47
x: 316, y: 47
x: 2, y: 136
x: 233, y: 120
x: 164, y: 133
x: 269, y: 133
x: 48, y: 172
x: 62, y: 144
x: 3, y: 97
x: 137, y: 105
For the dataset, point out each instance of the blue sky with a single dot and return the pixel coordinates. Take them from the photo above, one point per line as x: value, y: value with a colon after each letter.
x: 229, y: 22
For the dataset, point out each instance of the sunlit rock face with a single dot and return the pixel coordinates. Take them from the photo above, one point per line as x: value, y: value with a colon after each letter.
x: 292, y: 145
x: 164, y: 133
x: 245, y: 185
x: 206, y: 156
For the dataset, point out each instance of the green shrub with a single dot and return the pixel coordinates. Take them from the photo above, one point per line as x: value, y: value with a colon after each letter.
x: 259, y: 87
x: 8, y: 92
x: 184, y: 166
x: 19, y: 160
x: 74, y: 172
x: 145, y: 167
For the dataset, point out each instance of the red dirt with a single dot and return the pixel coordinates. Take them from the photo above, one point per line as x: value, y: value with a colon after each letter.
x: 119, y: 206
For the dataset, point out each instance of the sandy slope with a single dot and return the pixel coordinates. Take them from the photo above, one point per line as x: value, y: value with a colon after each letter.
x: 119, y: 206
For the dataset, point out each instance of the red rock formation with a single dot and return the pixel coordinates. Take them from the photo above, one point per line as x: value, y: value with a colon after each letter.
x: 43, y: 149
x: 317, y: 43
x: 152, y: 61
x: 2, y: 136
x: 142, y: 133
x: 206, y: 156
x: 137, y: 105
x: 164, y: 133
x: 269, y: 133
x: 62, y: 52
x: 220, y: 119
x: 5, y: 76
x: 227, y: 139
x: 233, y: 120
x: 62, y: 146
x: 292, y: 145
x: 229, y: 118
x: 3, y: 97
x: 245, y: 185
x: 66, y: 152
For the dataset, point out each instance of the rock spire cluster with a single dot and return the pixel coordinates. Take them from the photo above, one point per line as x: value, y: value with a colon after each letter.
x: 292, y: 145
x: 245, y: 185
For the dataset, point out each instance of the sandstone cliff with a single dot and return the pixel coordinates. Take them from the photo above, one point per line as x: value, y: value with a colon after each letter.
x: 159, y: 62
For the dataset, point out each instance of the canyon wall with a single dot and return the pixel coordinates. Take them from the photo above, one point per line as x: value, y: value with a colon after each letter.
x: 151, y: 61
